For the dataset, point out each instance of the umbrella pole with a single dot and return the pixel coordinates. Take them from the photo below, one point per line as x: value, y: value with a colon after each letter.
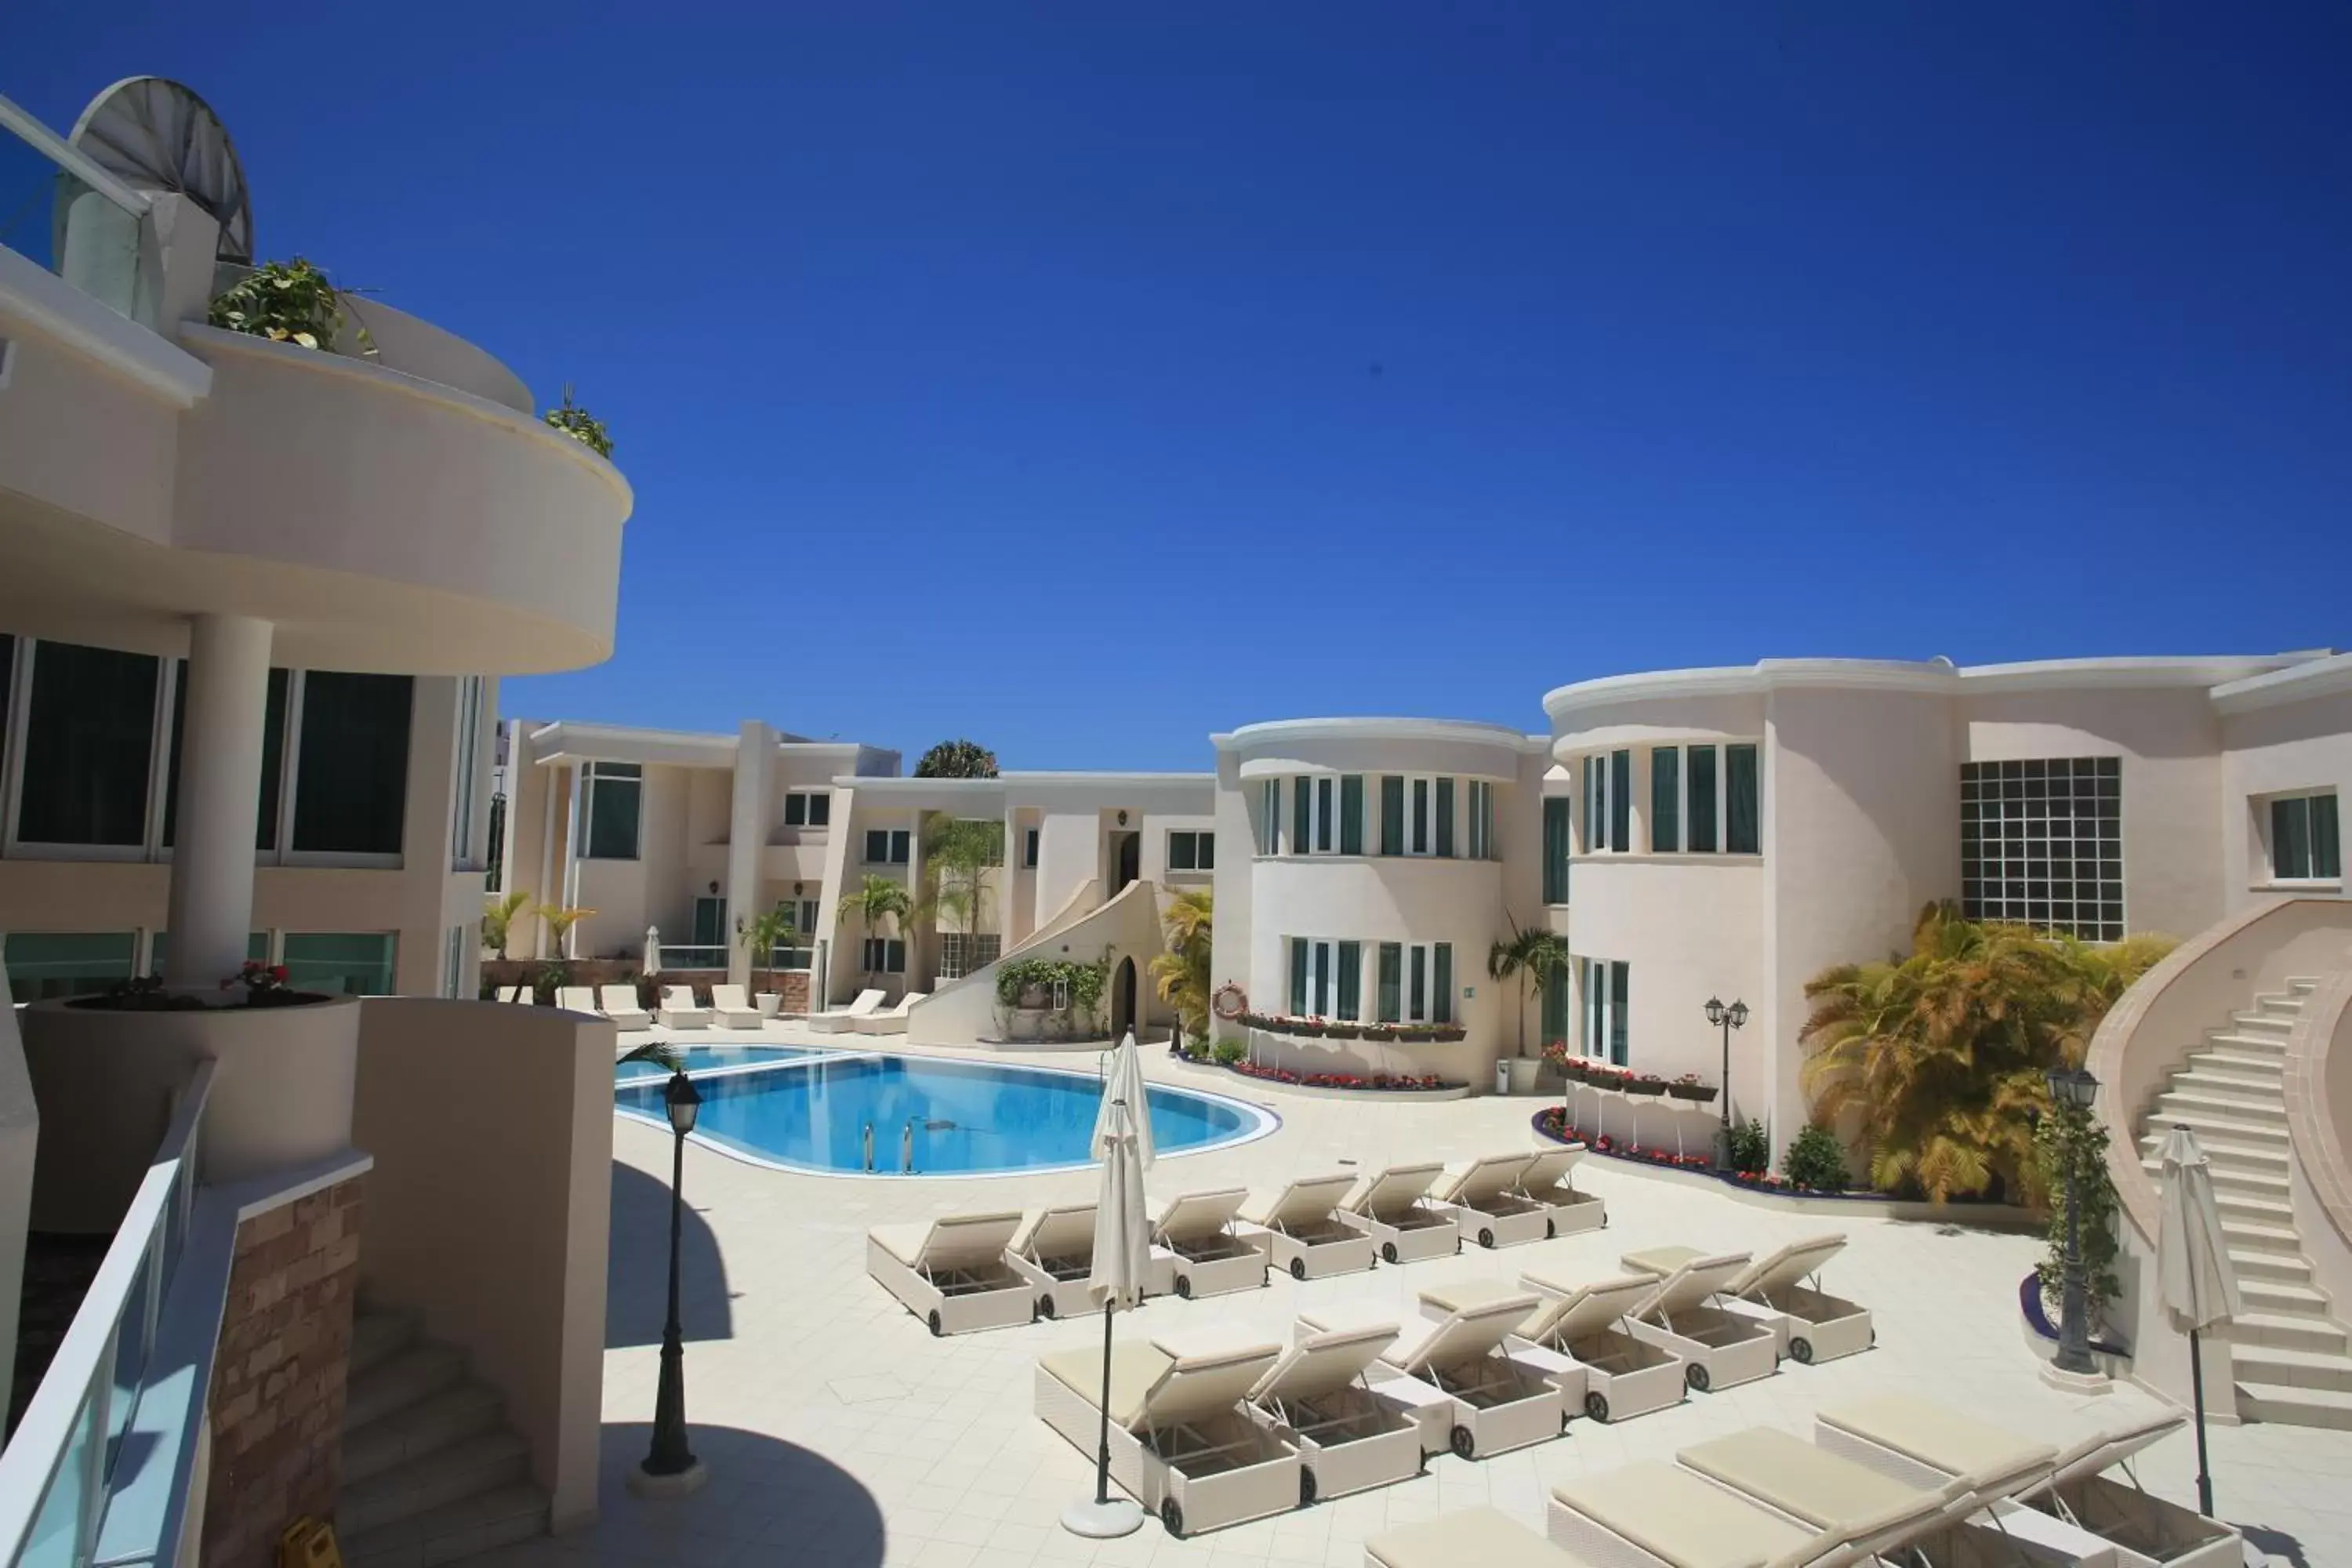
x: 2196, y: 1383
x: 1102, y: 1450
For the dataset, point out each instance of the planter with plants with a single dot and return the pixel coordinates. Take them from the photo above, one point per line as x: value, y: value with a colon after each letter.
x: 1379, y: 1034
x: 1688, y: 1086
x: 1449, y: 1034
x: 581, y: 426
x: 286, y: 302
x: 1342, y: 1029
x: 1815, y: 1161
x: 1648, y: 1083
x: 1374, y: 1083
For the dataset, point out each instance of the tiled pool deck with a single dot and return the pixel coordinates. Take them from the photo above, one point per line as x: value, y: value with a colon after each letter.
x: 838, y: 1432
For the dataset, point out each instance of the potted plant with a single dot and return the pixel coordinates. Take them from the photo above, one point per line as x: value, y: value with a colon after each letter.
x: 1646, y: 1083
x: 1450, y: 1033
x: 760, y: 936
x: 1688, y: 1086
x: 1573, y: 1066
x: 1311, y: 1026
x: 1343, y: 1029
x: 1379, y: 1033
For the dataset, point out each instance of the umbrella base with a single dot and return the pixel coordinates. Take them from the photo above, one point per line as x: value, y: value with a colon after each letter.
x: 1103, y: 1520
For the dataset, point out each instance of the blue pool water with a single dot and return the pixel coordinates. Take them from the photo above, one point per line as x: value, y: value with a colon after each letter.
x: 695, y: 1059
x: 968, y: 1116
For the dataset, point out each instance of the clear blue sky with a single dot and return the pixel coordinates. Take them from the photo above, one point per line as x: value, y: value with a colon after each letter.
x: 1087, y: 377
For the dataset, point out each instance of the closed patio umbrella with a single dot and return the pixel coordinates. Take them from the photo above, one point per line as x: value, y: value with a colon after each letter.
x: 1123, y: 1080
x: 1122, y: 1257
x: 2193, y: 1274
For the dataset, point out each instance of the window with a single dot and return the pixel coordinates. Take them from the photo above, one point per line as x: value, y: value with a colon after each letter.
x: 888, y: 846
x: 1352, y: 814
x: 1702, y: 816
x: 1029, y: 848
x: 962, y: 952
x: 1192, y: 851
x: 1299, y: 961
x: 159, y: 950
x: 1740, y: 818
x: 803, y: 912
x: 1609, y: 802
x: 453, y: 961
x: 1302, y: 809
x: 611, y: 809
x: 88, y: 747
x: 883, y: 955
x: 2042, y: 843
x: 1665, y: 799
x: 1554, y: 848
x: 1441, y: 983
x: 2305, y: 840
x: 1445, y: 818
x: 1413, y: 983
x: 1416, y: 997
x: 1418, y: 823
x: 1620, y: 801
x: 1349, y: 1004
x: 45, y: 964
x: 709, y: 949
x: 462, y: 853
x: 1605, y: 999
x: 1556, y: 1016
x: 356, y: 964
x: 1269, y: 817
x: 1481, y: 822
x: 351, y: 781
x: 1392, y: 816
x: 1325, y: 789
x: 273, y: 763
x: 808, y: 807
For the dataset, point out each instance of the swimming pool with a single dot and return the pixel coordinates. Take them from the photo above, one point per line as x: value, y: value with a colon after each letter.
x: 931, y: 1116
x: 701, y: 1059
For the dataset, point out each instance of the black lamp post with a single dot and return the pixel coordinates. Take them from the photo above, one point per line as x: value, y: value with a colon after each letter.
x: 670, y: 1458
x: 1727, y: 1019
x: 2072, y: 1089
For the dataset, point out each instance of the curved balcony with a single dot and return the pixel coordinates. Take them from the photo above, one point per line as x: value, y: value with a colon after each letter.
x: 1386, y: 897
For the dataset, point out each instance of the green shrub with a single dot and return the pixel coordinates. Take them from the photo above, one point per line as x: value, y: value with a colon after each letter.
x: 1751, y: 1148
x: 1815, y: 1161
x: 1228, y: 1052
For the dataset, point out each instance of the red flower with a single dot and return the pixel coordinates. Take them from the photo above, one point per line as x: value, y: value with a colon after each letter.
x: 278, y: 973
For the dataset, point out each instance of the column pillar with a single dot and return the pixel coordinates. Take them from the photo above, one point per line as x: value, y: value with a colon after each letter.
x: 220, y: 799
x: 747, y: 836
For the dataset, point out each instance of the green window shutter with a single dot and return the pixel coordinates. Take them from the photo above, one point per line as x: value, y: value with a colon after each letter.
x: 1300, y: 810
x: 1441, y: 963
x: 1391, y: 814
x: 1391, y: 977
x: 1555, y: 849
x: 1299, y: 977
x: 1702, y: 800
x: 1445, y: 818
x: 1665, y: 799
x: 1621, y: 802
x: 1740, y: 825
x: 1352, y: 814
x: 1351, y: 980
x: 1619, y: 974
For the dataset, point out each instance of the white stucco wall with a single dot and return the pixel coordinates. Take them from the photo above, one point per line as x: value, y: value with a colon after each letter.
x: 2271, y: 750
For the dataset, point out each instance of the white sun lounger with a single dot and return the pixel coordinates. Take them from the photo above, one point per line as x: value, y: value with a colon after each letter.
x: 620, y: 1004
x: 731, y: 1009
x: 678, y: 1009
x: 1471, y: 1536
x: 2145, y: 1531
x: 1196, y: 1251
x: 1871, y: 1513
x: 1319, y: 1398
x: 891, y: 1020
x: 841, y: 1020
x: 1298, y: 1228
x: 520, y: 995
x: 1718, y: 1349
x: 1547, y: 1181
x: 1482, y: 1196
x: 1391, y: 1207
x: 952, y: 1272
x: 1180, y: 1441
x: 1476, y: 1397
x: 1580, y: 1336
x: 578, y: 999
x: 1655, y: 1515
x: 1808, y: 1325
x: 1055, y: 1251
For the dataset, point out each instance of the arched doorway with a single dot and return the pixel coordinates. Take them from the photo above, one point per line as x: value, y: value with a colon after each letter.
x: 1122, y: 998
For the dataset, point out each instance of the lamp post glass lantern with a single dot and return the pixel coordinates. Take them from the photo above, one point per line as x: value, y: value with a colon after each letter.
x: 2072, y: 1091
x: 670, y: 1456
x: 1727, y: 1019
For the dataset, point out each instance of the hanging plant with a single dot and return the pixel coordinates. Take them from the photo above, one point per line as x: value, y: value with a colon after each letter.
x: 581, y: 426
x: 287, y: 302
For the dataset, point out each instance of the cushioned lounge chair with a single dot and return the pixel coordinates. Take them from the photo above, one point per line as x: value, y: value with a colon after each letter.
x: 679, y: 1010
x: 731, y: 1009
x: 578, y: 999
x: 1718, y: 1349
x: 1655, y: 1515
x: 890, y: 1020
x: 2144, y: 1530
x: 1482, y: 1197
x: 1547, y: 1180
x: 841, y: 1020
x: 1055, y: 1251
x: 1580, y: 1336
x: 1320, y: 1398
x: 952, y: 1272
x: 620, y: 1004
x: 1871, y: 1513
x: 1392, y: 1207
x: 519, y: 995
x: 1782, y: 1292
x: 1477, y: 1536
x: 1299, y: 1229
x: 1196, y: 1251
x: 1476, y: 1398
x: 1181, y: 1442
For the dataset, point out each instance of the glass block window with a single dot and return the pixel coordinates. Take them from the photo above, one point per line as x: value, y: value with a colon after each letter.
x: 2042, y: 844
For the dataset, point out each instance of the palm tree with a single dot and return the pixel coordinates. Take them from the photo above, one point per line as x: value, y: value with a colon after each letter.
x: 761, y: 935
x: 1181, y: 973
x: 879, y: 898
x: 1532, y: 956
x: 498, y: 919
x: 560, y: 921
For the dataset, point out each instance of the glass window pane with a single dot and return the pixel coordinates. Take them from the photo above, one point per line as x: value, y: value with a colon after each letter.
x: 2326, y: 851
x: 1391, y: 814
x: 877, y: 845
x: 1352, y: 815
x: 1741, y: 827
x: 1299, y: 812
x: 1418, y: 820
x: 2291, y: 837
x: 795, y: 809
x: 88, y: 735
x: 1417, y: 1000
x: 1701, y: 826
x: 1445, y: 817
x: 358, y: 964
x: 159, y: 950
x: 1555, y: 1006
x: 1620, y: 801
x: 1441, y: 983
x: 1179, y: 852
x: 45, y: 964
x: 612, y: 813
x: 1555, y: 846
x: 1350, y: 1002
x: 1205, y: 850
x: 1390, y: 977
x: 1299, y: 977
x: 1665, y: 799
x: 350, y: 786
x: 1619, y: 974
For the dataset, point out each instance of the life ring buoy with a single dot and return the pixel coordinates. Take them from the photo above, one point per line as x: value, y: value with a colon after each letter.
x: 1230, y: 1001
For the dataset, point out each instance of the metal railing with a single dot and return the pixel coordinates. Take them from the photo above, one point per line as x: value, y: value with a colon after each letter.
x: 56, y: 1472
x: 713, y: 956
x: 62, y: 210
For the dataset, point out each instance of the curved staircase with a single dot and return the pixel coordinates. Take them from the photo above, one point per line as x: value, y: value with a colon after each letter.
x: 2292, y: 1357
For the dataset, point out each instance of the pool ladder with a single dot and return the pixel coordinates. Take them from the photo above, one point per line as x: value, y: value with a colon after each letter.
x: 906, y: 1148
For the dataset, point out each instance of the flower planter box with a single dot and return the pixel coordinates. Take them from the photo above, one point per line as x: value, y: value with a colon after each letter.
x: 1640, y: 1086
x: 1696, y: 1093
x: 1343, y: 1031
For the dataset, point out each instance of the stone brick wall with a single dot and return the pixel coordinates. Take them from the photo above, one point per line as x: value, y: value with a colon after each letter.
x: 277, y: 1406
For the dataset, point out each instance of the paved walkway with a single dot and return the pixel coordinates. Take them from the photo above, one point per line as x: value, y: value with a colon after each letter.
x: 839, y: 1433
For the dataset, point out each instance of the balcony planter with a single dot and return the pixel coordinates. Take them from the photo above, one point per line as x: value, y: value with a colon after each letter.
x: 1449, y: 1034
x: 1304, y: 1028
x: 1416, y: 1034
x: 1696, y: 1093
x: 1343, y: 1031
x: 1651, y: 1086
x: 1379, y: 1034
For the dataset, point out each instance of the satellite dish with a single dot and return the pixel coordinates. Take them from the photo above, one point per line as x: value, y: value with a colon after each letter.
x: 159, y: 137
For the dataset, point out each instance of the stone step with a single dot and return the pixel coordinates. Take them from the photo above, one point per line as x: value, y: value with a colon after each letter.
x: 484, y: 1462
x: 2287, y: 1004
x: 2260, y: 1023
x: 2223, y: 1152
x: 2295, y: 1298
x: 376, y: 1336
x: 456, y: 1414
x: 2266, y: 1067
x: 2291, y: 1267
x: 400, y: 1379
x: 2178, y: 1105
x: 2287, y: 1331
x: 2292, y: 1406
x: 2293, y: 1368
x: 2261, y: 1211
x: 2302, y: 986
x: 2236, y: 1129
x: 461, y: 1529
x: 2249, y: 1041
x: 2242, y: 1083
x: 2245, y: 1234
x: 2260, y: 1179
